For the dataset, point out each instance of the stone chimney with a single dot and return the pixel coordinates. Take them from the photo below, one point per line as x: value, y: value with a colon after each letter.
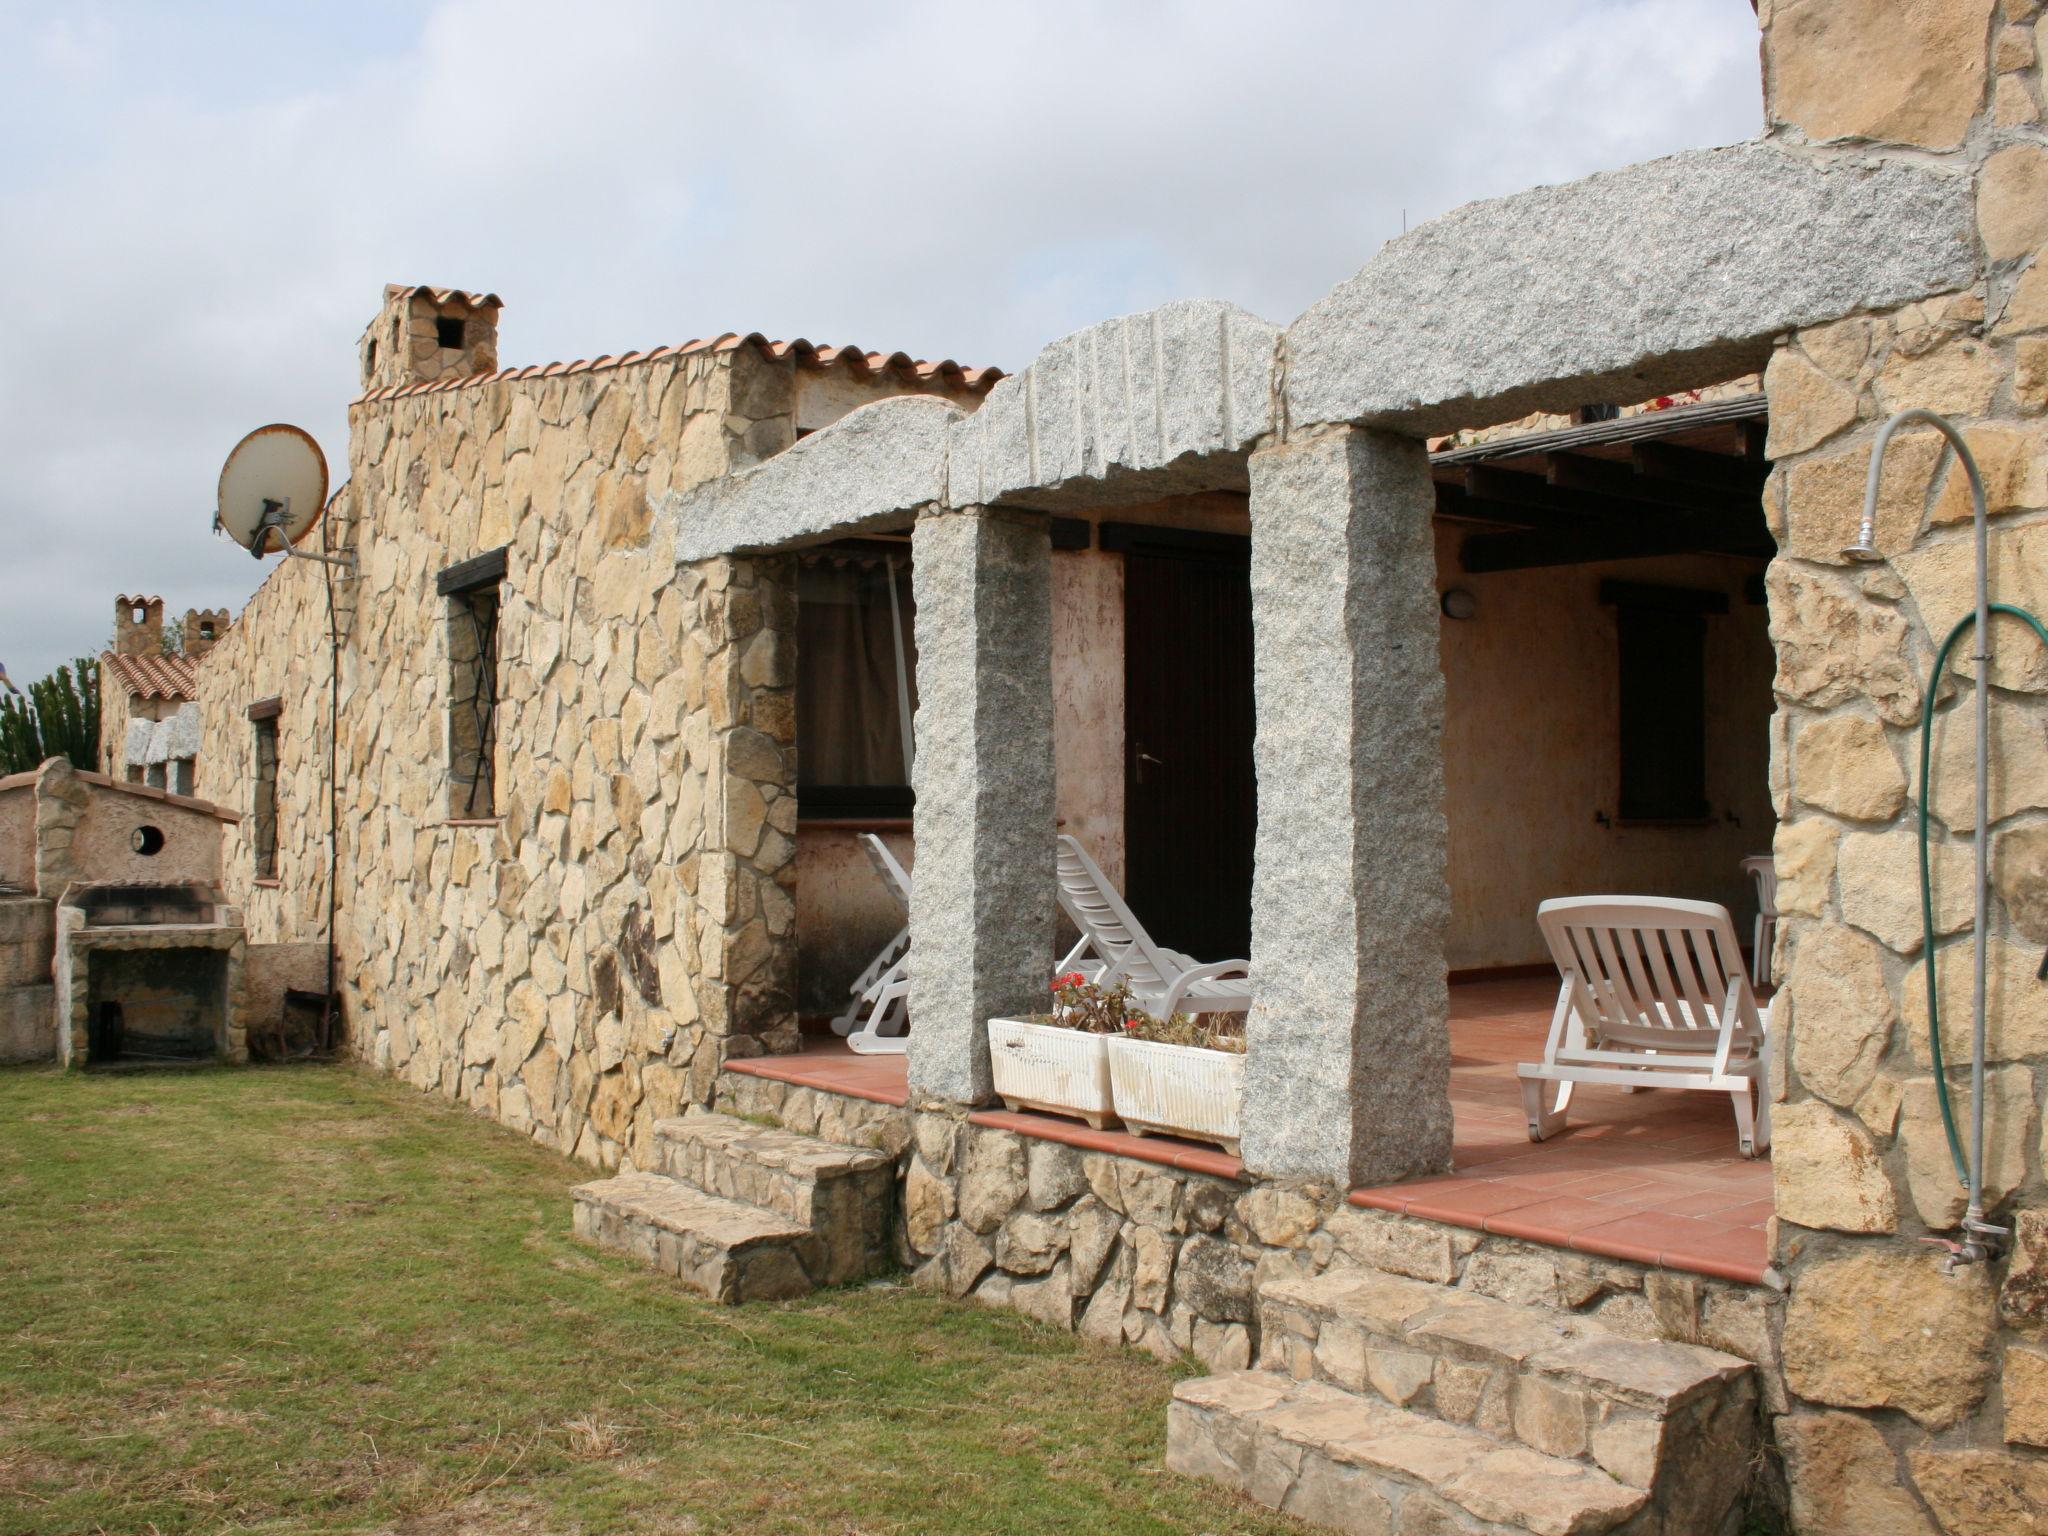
x: 202, y: 627
x: 138, y: 626
x: 423, y: 335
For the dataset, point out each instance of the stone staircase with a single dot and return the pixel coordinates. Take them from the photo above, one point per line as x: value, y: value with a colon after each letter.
x: 741, y: 1212
x: 1387, y: 1405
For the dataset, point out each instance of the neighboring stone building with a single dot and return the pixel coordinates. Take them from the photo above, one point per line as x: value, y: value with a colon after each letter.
x: 573, y: 883
x: 115, y: 946
x: 148, y: 733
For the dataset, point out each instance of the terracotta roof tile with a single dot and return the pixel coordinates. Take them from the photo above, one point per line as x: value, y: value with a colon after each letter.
x: 154, y: 677
x: 803, y: 354
x: 443, y: 295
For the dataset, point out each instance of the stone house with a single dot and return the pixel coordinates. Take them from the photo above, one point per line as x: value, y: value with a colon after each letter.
x: 1452, y: 1332
x: 560, y: 892
x: 149, y: 731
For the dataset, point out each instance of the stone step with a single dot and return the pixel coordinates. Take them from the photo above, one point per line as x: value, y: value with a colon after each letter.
x: 1353, y: 1463
x: 843, y: 1195
x: 1563, y: 1386
x: 719, y: 1248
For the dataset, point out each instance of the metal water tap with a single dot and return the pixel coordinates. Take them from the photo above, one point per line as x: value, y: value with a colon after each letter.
x: 1982, y: 1243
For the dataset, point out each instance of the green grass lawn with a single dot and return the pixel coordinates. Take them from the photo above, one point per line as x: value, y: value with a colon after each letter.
x: 308, y: 1299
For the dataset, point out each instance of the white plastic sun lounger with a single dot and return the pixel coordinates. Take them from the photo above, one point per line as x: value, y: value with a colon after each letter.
x: 1655, y: 995
x: 883, y: 989
x: 1114, y: 947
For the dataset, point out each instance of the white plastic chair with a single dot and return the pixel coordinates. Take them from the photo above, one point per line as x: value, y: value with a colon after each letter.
x: 1763, y: 869
x: 1654, y: 996
x: 883, y: 989
x: 1114, y: 948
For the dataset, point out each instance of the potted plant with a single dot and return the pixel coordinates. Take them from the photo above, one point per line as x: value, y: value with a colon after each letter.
x: 1059, y: 1060
x: 1180, y: 1076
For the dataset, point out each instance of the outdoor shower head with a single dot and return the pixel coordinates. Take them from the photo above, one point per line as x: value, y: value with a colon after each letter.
x: 1864, y: 550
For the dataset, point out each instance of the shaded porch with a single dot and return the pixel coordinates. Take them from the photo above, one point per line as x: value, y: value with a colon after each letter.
x: 1654, y: 1177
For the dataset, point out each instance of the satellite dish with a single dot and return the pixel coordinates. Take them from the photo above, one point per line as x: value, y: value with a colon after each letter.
x: 273, y: 489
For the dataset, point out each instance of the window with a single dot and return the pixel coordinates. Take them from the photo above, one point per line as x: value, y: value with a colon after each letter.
x: 472, y: 619
x: 448, y: 333
x: 856, y: 683
x: 182, y: 776
x: 1663, y: 728
x: 263, y: 810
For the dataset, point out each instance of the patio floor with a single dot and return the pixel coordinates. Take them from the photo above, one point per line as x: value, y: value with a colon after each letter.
x: 1653, y: 1177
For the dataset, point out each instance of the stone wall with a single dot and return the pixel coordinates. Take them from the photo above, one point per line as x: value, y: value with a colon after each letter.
x: 529, y: 964
x: 1914, y: 1393
x: 578, y: 964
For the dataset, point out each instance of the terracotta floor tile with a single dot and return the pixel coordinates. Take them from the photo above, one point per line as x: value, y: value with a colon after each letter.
x: 1471, y: 1202
x: 1549, y: 1221
x: 1754, y: 1214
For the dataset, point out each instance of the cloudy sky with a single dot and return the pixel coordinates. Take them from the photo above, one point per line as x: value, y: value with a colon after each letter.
x: 200, y: 203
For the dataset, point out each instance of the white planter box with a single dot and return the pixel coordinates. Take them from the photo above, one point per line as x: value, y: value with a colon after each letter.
x: 1177, y: 1090
x: 1041, y: 1066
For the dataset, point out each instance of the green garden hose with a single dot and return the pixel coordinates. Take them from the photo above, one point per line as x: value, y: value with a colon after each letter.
x: 1948, y: 1119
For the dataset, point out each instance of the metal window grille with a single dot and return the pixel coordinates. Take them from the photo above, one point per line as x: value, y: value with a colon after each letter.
x: 263, y: 821
x: 473, y: 727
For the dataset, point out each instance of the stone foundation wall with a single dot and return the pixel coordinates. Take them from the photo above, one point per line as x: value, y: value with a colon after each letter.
x: 1919, y: 1401
x: 1129, y: 1252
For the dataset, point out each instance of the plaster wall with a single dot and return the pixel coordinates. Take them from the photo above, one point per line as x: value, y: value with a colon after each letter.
x: 820, y: 398
x: 1532, y: 752
x: 18, y: 832
x: 103, y: 846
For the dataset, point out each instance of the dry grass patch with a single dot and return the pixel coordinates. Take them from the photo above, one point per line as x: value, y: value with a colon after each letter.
x: 309, y: 1300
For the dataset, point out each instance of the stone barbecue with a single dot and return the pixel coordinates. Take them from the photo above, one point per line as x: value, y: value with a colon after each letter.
x: 147, y: 973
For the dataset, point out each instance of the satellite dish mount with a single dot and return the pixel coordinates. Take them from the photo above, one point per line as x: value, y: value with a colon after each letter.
x: 273, y: 489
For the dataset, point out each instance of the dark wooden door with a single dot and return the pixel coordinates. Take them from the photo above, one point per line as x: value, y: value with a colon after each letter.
x: 1190, y: 803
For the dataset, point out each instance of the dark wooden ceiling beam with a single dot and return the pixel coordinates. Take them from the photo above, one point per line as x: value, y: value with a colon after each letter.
x: 1482, y: 553
x: 1537, y: 493
x: 1693, y: 466
x: 1455, y: 502
x: 1620, y: 483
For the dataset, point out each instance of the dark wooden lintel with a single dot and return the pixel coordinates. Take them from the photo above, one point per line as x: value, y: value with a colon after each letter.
x: 485, y: 570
